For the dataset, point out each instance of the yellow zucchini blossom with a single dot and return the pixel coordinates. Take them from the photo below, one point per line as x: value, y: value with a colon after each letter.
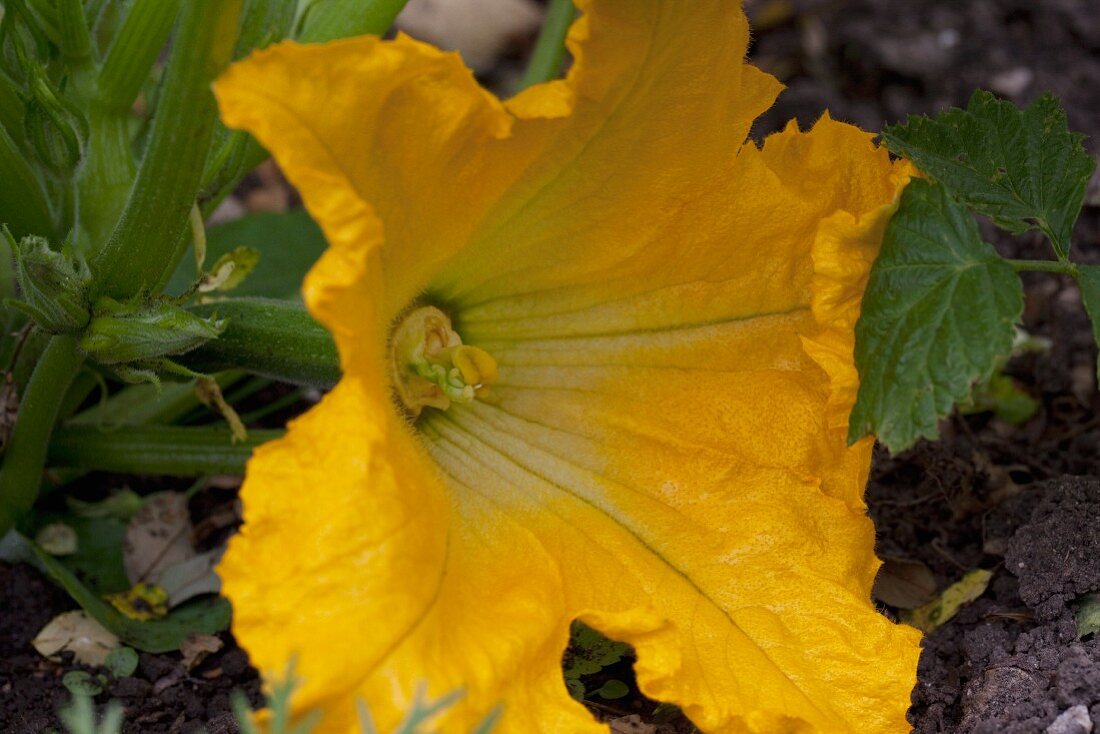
x: 597, y: 355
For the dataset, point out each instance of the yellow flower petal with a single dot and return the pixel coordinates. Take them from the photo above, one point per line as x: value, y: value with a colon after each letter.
x: 662, y: 453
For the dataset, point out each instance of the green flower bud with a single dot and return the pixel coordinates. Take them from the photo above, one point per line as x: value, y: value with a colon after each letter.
x: 121, y: 333
x: 20, y: 42
x: 55, y: 128
x: 53, y: 285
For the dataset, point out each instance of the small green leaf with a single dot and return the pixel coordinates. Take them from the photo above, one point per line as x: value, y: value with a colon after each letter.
x: 1088, y: 615
x: 590, y: 652
x: 122, y: 662
x: 1021, y: 168
x: 1001, y: 395
x: 613, y: 689
x: 1088, y: 279
x: 82, y: 683
x: 288, y: 245
x: 937, y: 315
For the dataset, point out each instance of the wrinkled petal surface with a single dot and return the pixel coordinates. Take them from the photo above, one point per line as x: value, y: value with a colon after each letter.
x: 664, y: 453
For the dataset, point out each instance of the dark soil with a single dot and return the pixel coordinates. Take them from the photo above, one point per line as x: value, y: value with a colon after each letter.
x: 988, y: 495
x: 162, y: 697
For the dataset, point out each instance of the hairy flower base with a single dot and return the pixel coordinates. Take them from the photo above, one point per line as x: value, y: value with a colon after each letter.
x: 669, y: 314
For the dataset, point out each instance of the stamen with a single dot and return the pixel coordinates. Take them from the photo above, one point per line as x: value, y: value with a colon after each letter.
x: 431, y: 367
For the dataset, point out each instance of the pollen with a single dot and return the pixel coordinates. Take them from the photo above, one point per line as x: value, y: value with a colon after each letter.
x: 431, y: 367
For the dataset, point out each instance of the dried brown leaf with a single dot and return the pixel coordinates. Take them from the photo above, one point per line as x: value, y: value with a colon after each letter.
x: 197, y: 647
x: 903, y: 583
x: 75, y: 632
x: 158, y: 536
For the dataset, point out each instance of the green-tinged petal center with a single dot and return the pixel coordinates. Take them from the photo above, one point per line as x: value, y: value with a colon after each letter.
x: 431, y: 367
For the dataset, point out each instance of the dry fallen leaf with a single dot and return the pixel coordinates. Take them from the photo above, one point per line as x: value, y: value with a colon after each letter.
x: 197, y: 647
x: 939, y: 610
x: 632, y: 724
x: 192, y: 577
x: 903, y: 583
x: 76, y: 632
x: 477, y: 29
x: 158, y: 536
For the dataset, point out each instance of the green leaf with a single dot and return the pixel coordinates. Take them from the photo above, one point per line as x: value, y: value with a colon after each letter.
x: 1088, y: 279
x: 97, y: 562
x: 937, y: 315
x: 1021, y: 168
x: 82, y: 683
x: 1001, y: 395
x: 207, y: 616
x: 1088, y: 615
x: 590, y: 652
x: 287, y: 244
x: 122, y: 661
x: 613, y: 689
x: 327, y: 20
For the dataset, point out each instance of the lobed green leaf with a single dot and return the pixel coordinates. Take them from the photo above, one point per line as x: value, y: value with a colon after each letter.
x: 938, y: 313
x: 1021, y: 168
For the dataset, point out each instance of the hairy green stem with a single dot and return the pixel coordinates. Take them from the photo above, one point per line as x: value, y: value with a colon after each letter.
x: 26, y: 453
x: 134, y: 50
x: 277, y: 339
x: 173, y: 450
x: 549, y: 54
x: 72, y: 26
x: 145, y: 245
x: 1044, y: 266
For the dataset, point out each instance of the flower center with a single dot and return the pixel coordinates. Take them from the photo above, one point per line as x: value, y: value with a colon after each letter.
x: 430, y: 365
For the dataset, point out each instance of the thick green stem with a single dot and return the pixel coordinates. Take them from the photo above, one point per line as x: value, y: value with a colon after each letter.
x: 327, y: 20
x: 549, y: 54
x: 105, y: 180
x: 145, y: 244
x: 26, y: 453
x: 72, y: 26
x: 276, y: 339
x: 174, y: 450
x: 134, y: 50
x: 1044, y: 266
